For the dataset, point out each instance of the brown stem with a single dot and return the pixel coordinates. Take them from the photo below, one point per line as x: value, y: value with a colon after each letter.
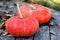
x: 19, y: 11
x: 33, y: 6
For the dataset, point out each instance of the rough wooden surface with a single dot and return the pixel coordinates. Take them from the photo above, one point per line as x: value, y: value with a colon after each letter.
x: 44, y: 33
x: 56, y: 27
x: 7, y: 38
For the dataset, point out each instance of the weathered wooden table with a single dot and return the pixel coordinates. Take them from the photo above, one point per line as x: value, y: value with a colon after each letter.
x: 46, y: 31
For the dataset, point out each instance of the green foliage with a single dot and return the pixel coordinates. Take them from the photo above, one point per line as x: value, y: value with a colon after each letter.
x: 49, y: 3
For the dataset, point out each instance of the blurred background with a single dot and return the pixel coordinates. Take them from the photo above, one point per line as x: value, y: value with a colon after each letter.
x: 55, y: 4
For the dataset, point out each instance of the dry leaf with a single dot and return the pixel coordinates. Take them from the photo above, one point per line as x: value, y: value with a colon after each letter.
x: 52, y: 32
x: 10, y: 6
x: 8, y: 15
x: 51, y: 23
x: 4, y: 33
x: 1, y: 25
x: 58, y: 24
x: 9, y: 35
x: 4, y: 11
x: 3, y: 18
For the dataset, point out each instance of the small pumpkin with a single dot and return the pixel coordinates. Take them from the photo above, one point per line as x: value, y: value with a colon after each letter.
x: 41, y: 13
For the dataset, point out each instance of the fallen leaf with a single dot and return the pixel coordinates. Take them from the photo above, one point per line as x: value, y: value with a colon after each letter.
x: 51, y: 23
x: 10, y: 6
x: 52, y: 32
x: 1, y: 24
x: 4, y: 33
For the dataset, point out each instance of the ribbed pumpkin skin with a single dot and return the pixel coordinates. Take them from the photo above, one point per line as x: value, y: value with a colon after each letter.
x: 41, y: 13
x: 22, y: 27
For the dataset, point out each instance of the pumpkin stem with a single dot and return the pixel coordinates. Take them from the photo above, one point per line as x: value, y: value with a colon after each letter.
x: 19, y: 10
x: 33, y: 7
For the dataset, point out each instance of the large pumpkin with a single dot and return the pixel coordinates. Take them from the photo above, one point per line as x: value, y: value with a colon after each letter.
x: 27, y: 26
x: 41, y: 13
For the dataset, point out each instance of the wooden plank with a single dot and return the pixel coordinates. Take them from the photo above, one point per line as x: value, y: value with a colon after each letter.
x: 25, y: 38
x: 12, y: 9
x: 58, y: 32
x: 7, y: 38
x: 55, y: 28
x: 1, y: 31
x: 42, y: 34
